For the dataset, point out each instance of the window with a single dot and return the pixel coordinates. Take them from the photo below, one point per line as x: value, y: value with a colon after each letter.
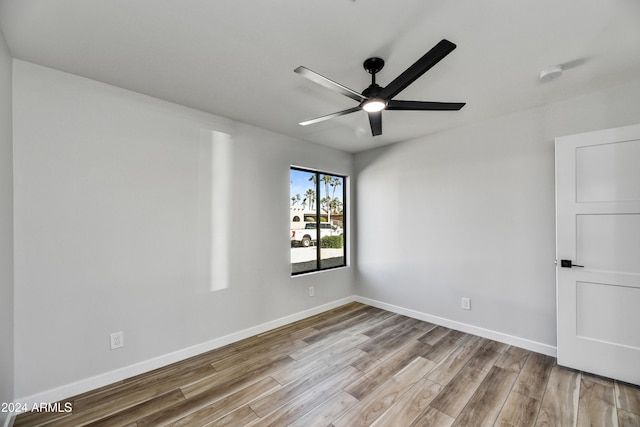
x: 317, y: 217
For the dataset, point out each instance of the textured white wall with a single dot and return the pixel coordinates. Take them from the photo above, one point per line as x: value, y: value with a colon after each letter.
x: 6, y: 229
x: 110, y: 200
x: 471, y: 213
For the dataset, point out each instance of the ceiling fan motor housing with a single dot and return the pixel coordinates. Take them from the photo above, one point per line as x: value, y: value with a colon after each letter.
x: 372, y: 91
x: 373, y: 65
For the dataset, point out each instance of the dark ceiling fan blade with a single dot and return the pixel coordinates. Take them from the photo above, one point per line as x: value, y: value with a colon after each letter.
x: 375, y: 119
x: 408, y: 76
x: 424, y: 105
x: 329, y: 84
x: 329, y: 116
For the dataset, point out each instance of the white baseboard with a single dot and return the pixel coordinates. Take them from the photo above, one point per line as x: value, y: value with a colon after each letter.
x: 68, y: 390
x: 459, y: 326
x: 107, y: 378
x: 8, y: 421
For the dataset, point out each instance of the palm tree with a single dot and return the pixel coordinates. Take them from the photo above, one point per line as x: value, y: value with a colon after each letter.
x: 325, y: 203
x: 311, y: 196
x: 336, y: 205
x: 335, y: 183
x: 328, y: 180
x: 295, y: 199
x: 311, y: 193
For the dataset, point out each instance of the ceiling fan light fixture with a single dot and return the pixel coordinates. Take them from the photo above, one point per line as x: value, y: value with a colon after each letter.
x: 375, y: 98
x: 374, y: 105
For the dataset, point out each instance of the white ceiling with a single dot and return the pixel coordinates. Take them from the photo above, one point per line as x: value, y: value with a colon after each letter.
x: 236, y: 58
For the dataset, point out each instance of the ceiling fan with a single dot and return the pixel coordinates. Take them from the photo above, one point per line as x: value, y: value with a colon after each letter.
x: 375, y: 98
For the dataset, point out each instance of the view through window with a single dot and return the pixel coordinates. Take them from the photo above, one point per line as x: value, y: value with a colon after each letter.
x: 317, y: 216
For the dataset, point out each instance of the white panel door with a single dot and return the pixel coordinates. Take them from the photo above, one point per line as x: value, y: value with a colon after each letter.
x: 598, y: 242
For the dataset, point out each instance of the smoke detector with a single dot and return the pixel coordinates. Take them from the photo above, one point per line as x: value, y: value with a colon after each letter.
x: 550, y: 73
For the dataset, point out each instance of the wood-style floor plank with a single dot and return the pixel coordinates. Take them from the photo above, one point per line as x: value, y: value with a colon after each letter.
x: 379, y: 346
x: 137, y: 412
x: 434, y: 335
x: 513, y: 359
x: 235, y: 379
x: 627, y: 398
x: 239, y: 417
x: 534, y: 376
x: 303, y: 367
x: 628, y: 419
x: 484, y: 406
x: 208, y: 406
x: 596, y: 404
x: 459, y: 390
x: 560, y: 401
x: 518, y: 411
x: 375, y: 403
x: 433, y: 418
x: 327, y: 411
x: 280, y: 397
x: 305, y: 402
x: 356, y: 366
x: 411, y: 405
x: 454, y: 361
x: 441, y: 348
x: 397, y: 361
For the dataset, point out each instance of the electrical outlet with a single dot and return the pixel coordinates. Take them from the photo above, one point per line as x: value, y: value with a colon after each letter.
x: 466, y: 303
x: 312, y: 291
x: 117, y: 340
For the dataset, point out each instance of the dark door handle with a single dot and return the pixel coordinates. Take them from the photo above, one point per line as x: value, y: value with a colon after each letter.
x: 567, y: 263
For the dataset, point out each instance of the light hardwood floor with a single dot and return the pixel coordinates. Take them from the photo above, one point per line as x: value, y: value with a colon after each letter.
x: 357, y: 366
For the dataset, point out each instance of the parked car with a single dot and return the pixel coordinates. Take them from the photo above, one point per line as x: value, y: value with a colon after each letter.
x: 308, y: 235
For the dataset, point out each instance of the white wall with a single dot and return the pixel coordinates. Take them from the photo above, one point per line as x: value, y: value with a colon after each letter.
x: 111, y: 189
x: 471, y: 213
x: 6, y: 230
x: 112, y: 195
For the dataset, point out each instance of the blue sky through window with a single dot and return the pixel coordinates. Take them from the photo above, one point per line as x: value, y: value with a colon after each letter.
x: 300, y: 184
